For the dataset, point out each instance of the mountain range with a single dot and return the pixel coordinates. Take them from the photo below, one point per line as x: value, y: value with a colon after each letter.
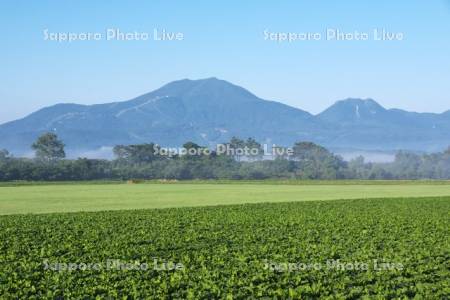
x: 211, y: 111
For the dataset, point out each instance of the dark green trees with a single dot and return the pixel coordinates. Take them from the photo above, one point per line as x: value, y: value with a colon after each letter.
x: 137, y: 154
x: 49, y: 148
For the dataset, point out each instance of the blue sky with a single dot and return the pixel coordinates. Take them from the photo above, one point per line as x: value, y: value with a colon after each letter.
x: 225, y: 40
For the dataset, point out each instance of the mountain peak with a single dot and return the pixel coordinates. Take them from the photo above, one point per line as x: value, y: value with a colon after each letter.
x: 188, y: 81
x: 368, y: 102
x: 352, y: 109
x: 203, y: 81
x: 211, y: 87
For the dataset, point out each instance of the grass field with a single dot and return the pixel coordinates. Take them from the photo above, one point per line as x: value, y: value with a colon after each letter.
x: 21, y: 198
x: 349, y: 249
x: 393, y: 234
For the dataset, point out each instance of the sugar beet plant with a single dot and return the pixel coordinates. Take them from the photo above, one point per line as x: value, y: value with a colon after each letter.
x: 382, y: 248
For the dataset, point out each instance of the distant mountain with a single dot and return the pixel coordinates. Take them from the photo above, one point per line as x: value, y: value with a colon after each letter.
x: 364, y: 124
x: 351, y: 111
x: 211, y: 111
x: 206, y: 111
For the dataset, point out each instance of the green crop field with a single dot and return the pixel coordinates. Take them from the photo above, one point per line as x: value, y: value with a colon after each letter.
x: 47, y: 198
x: 223, y: 239
x: 345, y: 249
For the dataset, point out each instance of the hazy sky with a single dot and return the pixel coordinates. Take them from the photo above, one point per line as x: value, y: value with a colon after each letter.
x: 227, y: 41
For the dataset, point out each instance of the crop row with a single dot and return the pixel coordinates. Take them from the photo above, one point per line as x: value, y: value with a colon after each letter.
x: 338, y: 249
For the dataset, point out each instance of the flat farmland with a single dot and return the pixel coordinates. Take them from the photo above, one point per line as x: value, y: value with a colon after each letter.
x: 341, y: 249
x: 74, y: 197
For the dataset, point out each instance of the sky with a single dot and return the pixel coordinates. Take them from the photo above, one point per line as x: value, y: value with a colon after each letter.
x: 227, y: 40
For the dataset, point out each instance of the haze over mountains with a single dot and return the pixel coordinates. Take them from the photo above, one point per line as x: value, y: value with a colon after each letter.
x: 211, y: 111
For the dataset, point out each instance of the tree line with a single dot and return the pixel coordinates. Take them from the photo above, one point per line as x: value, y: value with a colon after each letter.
x: 147, y: 161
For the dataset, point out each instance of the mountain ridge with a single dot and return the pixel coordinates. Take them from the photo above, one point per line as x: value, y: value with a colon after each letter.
x: 210, y: 111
